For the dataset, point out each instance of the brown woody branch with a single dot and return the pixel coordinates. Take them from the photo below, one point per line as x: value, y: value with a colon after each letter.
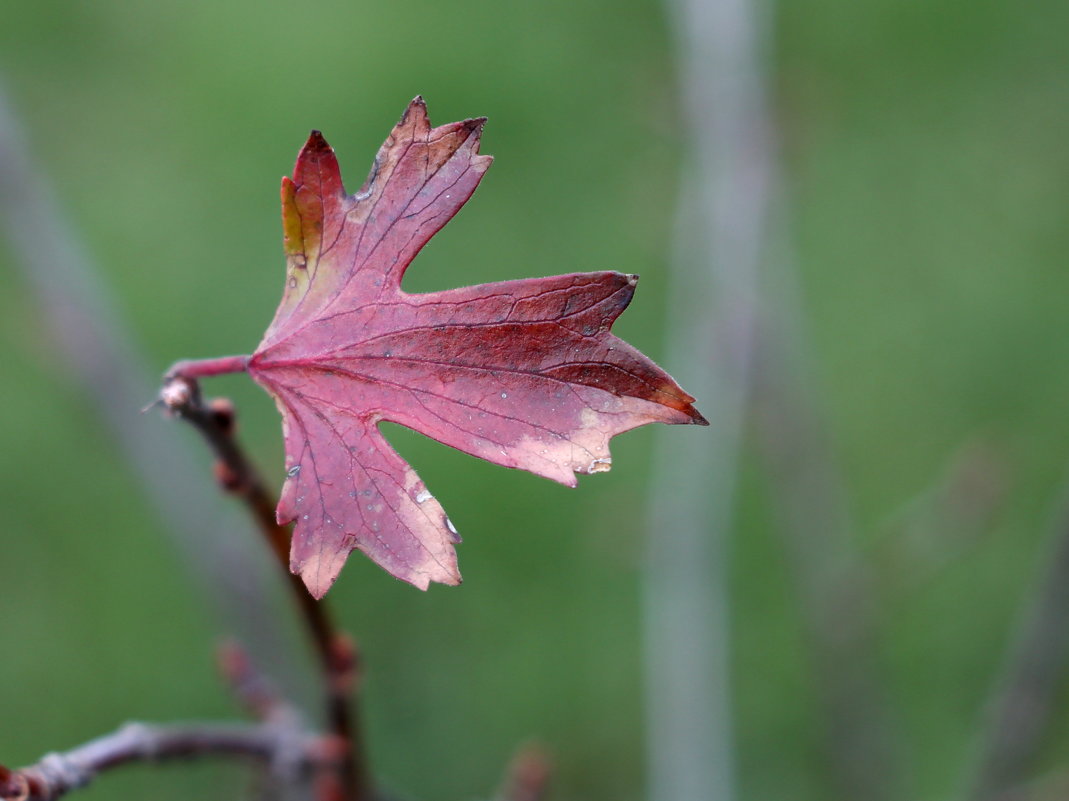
x: 337, y: 655
x: 289, y: 753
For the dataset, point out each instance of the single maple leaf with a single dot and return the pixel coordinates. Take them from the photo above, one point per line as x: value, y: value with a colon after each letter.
x: 521, y: 373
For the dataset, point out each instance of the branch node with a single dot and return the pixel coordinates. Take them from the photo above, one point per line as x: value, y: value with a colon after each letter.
x: 13, y: 785
x: 143, y: 737
x: 178, y: 393
x: 344, y: 663
x: 61, y: 774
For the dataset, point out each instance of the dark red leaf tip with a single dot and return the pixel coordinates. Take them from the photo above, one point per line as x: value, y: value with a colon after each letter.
x: 316, y: 141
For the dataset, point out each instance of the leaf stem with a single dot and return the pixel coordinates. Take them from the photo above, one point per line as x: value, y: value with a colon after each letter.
x: 336, y: 653
x: 204, y: 368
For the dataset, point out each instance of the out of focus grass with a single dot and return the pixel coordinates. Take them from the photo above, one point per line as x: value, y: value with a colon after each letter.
x: 928, y: 179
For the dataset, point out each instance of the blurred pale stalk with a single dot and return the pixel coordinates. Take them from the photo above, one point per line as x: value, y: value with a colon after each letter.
x: 722, y: 220
x: 735, y: 327
x: 81, y: 317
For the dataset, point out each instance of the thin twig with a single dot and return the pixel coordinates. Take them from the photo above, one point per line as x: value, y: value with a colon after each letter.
x: 336, y: 652
x: 831, y: 579
x: 287, y: 752
x: 1025, y: 696
x: 256, y: 692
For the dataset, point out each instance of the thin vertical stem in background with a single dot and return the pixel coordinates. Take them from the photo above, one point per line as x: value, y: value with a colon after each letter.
x: 1024, y: 698
x: 105, y: 365
x: 722, y: 217
x: 747, y: 359
x: 833, y: 586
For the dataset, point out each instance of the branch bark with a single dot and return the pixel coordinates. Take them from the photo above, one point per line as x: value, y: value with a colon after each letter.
x: 288, y: 753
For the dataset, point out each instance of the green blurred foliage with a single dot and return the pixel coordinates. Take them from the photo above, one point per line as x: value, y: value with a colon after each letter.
x: 928, y: 177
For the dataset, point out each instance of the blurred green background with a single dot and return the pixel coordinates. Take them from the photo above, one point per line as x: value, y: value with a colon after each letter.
x: 925, y: 157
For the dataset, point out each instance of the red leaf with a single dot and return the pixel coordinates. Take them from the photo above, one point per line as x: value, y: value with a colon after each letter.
x: 522, y: 373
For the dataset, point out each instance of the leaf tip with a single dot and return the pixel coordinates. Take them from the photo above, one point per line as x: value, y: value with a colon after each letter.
x: 416, y: 113
x: 317, y: 589
x: 475, y: 126
x: 316, y: 141
x: 317, y: 573
x: 316, y: 157
x: 422, y: 581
